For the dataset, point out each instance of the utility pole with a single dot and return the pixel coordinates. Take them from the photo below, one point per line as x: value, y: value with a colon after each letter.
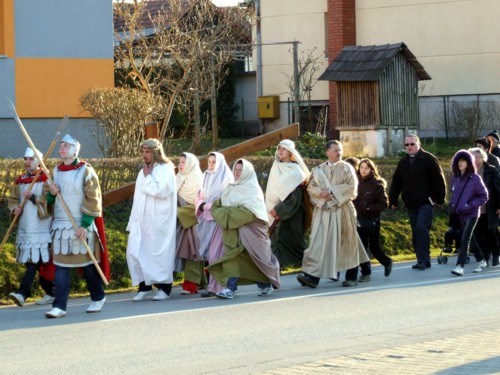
x: 296, y: 88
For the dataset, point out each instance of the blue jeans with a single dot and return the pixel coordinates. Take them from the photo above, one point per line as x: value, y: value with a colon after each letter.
x: 421, y: 222
x: 468, y: 240
x: 232, y: 284
x: 94, y: 285
x: 29, y: 277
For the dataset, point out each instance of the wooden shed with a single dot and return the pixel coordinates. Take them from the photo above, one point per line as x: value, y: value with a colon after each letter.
x: 377, y: 87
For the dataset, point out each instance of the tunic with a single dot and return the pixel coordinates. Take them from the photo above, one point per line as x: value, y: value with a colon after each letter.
x: 33, y: 231
x: 79, y: 187
x: 152, y: 227
x: 334, y: 244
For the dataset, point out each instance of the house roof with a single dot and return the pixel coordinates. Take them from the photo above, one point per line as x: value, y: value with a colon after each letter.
x: 367, y: 63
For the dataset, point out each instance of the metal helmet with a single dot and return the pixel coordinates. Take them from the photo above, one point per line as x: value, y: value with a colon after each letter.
x: 75, y: 145
x: 29, y: 153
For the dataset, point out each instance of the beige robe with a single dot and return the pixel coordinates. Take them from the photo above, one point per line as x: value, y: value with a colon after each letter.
x: 334, y: 243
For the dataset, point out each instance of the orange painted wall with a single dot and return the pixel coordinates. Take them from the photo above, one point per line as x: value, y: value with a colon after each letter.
x: 7, y: 28
x: 53, y: 87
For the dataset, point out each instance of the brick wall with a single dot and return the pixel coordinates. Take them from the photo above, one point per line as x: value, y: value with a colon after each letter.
x: 341, y: 32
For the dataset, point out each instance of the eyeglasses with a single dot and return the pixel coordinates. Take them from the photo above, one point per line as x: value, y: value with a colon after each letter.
x: 409, y: 144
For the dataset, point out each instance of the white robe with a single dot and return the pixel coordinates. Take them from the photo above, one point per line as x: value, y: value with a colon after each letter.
x: 152, y: 227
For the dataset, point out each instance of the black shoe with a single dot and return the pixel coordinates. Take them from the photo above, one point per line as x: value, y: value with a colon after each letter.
x: 419, y: 266
x: 495, y: 262
x: 207, y: 294
x: 428, y: 264
x: 447, y: 250
x: 306, y: 280
x: 388, y: 269
x: 349, y: 283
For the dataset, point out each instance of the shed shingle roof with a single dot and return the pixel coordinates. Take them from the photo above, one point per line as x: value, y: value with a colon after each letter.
x: 367, y: 63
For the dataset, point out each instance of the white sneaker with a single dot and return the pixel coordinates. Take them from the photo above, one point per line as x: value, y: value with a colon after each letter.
x: 265, y: 291
x: 458, y: 270
x: 96, y: 306
x: 141, y: 296
x: 46, y: 300
x: 17, y: 298
x: 160, y: 295
x: 226, y: 294
x: 56, y: 312
x: 480, y: 266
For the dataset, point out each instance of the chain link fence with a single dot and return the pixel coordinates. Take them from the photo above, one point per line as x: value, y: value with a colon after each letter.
x: 460, y: 117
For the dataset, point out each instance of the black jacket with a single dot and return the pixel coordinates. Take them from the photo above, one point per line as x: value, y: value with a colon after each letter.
x: 491, y: 179
x: 418, y: 181
x: 371, y: 199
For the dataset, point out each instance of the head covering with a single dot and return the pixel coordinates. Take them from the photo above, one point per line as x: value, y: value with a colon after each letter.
x: 215, y: 182
x: 494, y: 135
x: 29, y: 153
x: 284, y: 177
x: 246, y: 191
x: 155, y: 146
x: 75, y: 145
x: 189, y: 181
x: 465, y: 155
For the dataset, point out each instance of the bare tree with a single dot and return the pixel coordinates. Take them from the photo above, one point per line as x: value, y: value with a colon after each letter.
x: 469, y: 120
x: 307, y: 69
x: 178, y: 49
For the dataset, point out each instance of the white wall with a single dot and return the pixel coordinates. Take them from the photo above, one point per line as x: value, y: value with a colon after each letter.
x: 285, y: 21
x: 457, y: 42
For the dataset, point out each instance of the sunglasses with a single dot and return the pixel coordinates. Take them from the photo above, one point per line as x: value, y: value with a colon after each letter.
x: 409, y: 144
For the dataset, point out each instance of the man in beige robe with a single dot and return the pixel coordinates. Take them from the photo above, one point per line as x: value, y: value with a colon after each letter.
x: 334, y: 243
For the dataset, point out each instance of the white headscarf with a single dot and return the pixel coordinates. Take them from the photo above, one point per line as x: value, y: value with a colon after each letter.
x: 246, y: 192
x: 285, y: 177
x: 189, y: 181
x: 215, y: 182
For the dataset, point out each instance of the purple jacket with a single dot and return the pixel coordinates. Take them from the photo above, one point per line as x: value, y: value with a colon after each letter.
x: 474, y: 196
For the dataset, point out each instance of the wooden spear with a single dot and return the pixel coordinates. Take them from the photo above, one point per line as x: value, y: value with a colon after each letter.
x: 61, y: 200
x: 60, y: 130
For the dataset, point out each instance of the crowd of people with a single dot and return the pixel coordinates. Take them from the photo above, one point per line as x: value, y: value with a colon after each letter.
x: 221, y: 230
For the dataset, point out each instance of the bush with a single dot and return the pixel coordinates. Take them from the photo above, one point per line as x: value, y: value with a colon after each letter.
x: 120, y: 114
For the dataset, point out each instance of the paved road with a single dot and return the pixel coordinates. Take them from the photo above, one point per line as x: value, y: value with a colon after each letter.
x: 412, y: 322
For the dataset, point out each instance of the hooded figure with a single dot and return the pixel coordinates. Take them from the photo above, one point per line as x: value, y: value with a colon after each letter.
x: 285, y: 204
x: 241, y: 213
x: 468, y: 194
x: 215, y: 180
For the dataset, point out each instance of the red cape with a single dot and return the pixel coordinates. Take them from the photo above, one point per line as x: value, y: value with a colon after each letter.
x: 105, y: 265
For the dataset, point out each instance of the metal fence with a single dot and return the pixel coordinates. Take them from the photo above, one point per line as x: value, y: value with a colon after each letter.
x: 463, y: 117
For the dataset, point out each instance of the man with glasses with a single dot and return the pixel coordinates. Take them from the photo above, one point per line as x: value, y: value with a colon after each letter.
x: 420, y: 180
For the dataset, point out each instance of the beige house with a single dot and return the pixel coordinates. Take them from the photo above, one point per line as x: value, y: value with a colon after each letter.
x: 457, y: 42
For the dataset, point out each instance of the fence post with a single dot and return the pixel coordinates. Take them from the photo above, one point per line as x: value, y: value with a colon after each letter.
x: 242, y: 118
x: 288, y: 111
x: 445, y: 118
